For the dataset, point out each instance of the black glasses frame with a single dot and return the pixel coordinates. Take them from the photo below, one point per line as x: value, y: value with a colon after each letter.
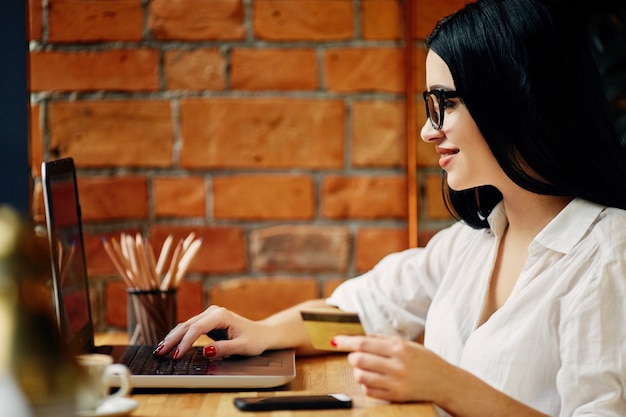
x: 442, y: 96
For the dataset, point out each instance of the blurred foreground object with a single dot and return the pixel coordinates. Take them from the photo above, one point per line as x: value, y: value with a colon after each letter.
x: 37, y: 378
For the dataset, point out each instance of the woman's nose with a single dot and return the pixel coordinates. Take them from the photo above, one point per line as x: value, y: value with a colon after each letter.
x: 429, y: 133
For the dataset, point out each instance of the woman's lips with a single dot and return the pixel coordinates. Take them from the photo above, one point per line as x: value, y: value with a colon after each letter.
x: 445, y: 155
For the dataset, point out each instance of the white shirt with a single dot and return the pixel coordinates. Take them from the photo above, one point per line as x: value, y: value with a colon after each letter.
x: 558, y: 344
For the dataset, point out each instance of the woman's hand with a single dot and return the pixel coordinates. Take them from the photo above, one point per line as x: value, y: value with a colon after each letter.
x: 393, y: 369
x: 396, y: 370
x: 243, y: 336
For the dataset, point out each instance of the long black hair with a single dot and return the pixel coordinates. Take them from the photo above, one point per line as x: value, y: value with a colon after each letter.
x: 531, y: 85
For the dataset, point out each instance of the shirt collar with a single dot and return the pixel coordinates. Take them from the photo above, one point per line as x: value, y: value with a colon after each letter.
x: 563, y: 232
x: 569, y: 226
x: 497, y: 219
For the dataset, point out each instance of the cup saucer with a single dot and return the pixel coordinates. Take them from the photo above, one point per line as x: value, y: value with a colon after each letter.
x: 112, y: 407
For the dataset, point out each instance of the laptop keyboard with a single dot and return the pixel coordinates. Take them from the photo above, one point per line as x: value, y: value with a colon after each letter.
x: 140, y: 361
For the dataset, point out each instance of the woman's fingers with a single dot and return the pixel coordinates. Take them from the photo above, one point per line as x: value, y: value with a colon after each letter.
x: 372, y: 344
x: 372, y: 354
x: 243, y: 336
x: 182, y: 337
x: 384, y: 366
x: 369, y: 362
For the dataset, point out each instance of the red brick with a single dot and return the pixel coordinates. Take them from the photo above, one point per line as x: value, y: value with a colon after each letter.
x: 420, y: 71
x: 273, y: 69
x: 426, y: 155
x: 196, y: 19
x: 330, y: 286
x: 199, y: 69
x: 424, y: 235
x: 190, y: 299
x: 179, y: 196
x: 364, y: 197
x: 378, y: 133
x: 120, y: 69
x: 372, y: 244
x: 349, y: 70
x: 121, y: 118
x: 85, y: 21
x: 435, y: 207
x: 430, y: 12
x: 112, y: 133
x: 300, y: 249
x: 266, y: 132
x: 113, y: 198
x: 189, y: 302
x: 243, y: 295
x: 382, y: 19
x: 223, y: 248
x: 251, y: 197
x: 310, y: 20
x: 35, y: 17
x: 98, y: 261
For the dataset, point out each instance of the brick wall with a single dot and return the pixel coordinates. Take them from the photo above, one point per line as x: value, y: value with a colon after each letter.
x: 274, y: 129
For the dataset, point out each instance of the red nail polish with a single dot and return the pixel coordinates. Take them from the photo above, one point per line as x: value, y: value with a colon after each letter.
x: 176, y: 353
x: 209, y: 351
x: 333, y: 342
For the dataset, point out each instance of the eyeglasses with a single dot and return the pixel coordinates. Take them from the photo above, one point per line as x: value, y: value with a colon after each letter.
x: 436, y: 105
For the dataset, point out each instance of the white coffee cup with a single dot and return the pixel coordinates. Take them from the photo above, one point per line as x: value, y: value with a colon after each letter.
x: 98, y: 374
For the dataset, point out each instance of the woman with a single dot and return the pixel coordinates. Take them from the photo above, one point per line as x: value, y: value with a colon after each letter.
x: 521, y: 303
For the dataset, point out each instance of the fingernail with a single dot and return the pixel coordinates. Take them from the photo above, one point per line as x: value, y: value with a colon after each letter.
x: 333, y: 342
x: 158, y: 348
x: 209, y: 351
x: 176, y: 353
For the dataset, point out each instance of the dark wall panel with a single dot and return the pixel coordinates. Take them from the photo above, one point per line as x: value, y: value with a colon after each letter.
x: 15, y: 180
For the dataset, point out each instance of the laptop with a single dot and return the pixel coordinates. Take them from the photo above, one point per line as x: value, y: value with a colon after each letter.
x: 73, y: 313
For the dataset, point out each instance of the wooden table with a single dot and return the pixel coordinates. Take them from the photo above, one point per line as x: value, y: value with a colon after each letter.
x: 319, y: 375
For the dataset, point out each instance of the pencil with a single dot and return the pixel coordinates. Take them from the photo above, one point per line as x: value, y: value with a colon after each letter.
x: 134, y: 258
x: 112, y: 255
x: 186, y: 259
x: 165, y: 285
x: 165, y: 249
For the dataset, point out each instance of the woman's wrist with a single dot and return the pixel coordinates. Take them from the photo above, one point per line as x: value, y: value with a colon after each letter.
x: 286, y: 329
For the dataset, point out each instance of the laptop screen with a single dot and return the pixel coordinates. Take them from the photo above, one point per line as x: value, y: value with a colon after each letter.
x: 68, y: 258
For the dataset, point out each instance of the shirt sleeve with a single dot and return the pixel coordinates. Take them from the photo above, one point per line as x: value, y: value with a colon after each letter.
x: 593, y: 349
x: 393, y: 298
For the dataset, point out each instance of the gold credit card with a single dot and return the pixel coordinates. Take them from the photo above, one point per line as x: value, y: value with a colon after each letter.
x: 323, y: 324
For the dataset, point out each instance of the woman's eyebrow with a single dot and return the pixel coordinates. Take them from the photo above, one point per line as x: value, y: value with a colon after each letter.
x: 440, y: 87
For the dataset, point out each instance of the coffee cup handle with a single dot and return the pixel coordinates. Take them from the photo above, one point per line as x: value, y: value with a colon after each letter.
x: 121, y: 371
